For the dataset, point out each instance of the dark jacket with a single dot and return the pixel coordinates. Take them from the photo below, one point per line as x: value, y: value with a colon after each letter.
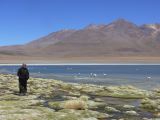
x: 23, y: 73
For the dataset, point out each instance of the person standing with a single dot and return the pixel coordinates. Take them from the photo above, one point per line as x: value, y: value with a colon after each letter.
x: 23, y: 75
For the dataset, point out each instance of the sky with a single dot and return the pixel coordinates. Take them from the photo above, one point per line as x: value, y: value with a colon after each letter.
x: 22, y: 21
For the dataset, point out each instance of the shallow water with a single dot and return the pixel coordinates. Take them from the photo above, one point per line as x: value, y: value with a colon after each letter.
x: 142, y: 76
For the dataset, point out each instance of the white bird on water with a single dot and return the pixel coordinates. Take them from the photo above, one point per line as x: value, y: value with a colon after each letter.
x: 149, y: 77
x: 94, y: 75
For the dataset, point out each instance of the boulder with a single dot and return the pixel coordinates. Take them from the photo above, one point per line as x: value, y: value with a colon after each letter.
x: 111, y: 109
x: 133, y: 113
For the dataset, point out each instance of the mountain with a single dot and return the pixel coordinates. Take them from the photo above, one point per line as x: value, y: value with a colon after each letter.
x: 120, y: 38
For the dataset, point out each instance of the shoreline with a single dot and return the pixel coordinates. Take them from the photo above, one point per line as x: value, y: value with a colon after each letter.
x: 59, y: 64
x: 99, y: 60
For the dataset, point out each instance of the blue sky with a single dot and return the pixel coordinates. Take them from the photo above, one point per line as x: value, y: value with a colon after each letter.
x: 22, y: 21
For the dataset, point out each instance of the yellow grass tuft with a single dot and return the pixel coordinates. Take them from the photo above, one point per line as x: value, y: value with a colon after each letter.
x: 75, y: 104
x: 84, y: 98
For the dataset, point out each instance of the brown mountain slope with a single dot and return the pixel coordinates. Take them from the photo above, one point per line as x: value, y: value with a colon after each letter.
x: 119, y: 38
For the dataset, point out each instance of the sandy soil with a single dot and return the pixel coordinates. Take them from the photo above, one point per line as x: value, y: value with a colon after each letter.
x: 4, y: 59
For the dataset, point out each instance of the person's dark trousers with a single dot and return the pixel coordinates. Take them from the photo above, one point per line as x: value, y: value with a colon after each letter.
x: 23, y: 86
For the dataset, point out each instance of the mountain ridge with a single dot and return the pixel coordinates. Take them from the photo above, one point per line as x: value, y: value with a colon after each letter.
x: 118, y: 38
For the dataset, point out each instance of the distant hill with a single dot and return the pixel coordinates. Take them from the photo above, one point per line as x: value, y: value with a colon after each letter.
x: 117, y: 39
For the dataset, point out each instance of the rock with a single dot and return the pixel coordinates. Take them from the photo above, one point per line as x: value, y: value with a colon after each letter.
x: 70, y: 97
x: 91, y: 118
x: 134, y: 113
x: 98, y: 100
x: 76, y: 94
x: 93, y: 105
x: 111, y: 109
x: 128, y: 106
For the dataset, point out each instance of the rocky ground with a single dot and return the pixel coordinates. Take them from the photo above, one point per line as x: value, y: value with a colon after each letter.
x: 55, y: 100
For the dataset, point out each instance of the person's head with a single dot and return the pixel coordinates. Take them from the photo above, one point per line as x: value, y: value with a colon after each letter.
x: 24, y: 65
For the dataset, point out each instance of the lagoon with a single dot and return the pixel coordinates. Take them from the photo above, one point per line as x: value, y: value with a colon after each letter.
x: 142, y: 76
